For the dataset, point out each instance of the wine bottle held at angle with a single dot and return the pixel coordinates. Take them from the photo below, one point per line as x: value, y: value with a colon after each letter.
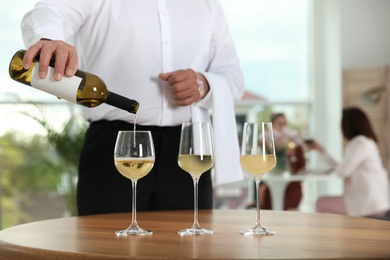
x: 83, y: 88
x: 257, y: 164
x: 134, y: 168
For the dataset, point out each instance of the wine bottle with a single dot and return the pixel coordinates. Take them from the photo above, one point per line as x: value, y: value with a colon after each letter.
x: 83, y: 88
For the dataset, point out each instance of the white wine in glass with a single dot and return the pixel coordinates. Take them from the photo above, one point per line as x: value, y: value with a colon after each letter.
x: 257, y: 157
x: 195, y: 157
x: 134, y: 159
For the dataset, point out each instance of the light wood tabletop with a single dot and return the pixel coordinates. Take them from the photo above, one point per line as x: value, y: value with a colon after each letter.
x: 299, y: 236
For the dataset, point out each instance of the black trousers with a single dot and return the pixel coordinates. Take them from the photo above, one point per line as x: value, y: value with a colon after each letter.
x: 102, y: 189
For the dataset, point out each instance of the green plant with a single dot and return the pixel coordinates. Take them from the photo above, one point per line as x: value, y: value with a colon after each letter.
x: 66, y: 142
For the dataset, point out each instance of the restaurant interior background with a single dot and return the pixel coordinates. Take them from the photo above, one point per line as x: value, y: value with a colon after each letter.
x: 297, y: 56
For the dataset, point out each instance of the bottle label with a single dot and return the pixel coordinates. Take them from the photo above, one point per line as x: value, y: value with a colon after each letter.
x: 66, y: 88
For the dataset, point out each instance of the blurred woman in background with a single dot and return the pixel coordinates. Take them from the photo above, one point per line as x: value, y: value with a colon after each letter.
x: 366, y: 181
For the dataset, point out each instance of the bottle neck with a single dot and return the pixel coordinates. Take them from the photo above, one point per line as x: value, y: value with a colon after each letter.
x: 121, y: 102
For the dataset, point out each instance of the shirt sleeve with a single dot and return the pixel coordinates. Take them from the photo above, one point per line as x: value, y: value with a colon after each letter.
x: 329, y: 160
x: 224, y: 63
x: 355, y: 154
x: 57, y: 20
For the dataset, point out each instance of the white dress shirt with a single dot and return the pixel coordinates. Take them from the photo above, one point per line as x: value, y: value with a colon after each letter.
x: 128, y: 43
x: 366, y: 182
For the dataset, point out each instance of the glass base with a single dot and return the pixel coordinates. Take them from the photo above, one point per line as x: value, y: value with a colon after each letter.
x: 257, y: 231
x: 133, y: 232
x: 194, y: 231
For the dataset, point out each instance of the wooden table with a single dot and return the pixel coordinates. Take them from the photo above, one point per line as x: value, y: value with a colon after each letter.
x: 299, y: 236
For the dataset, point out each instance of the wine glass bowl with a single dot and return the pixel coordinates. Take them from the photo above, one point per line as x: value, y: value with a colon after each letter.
x: 195, y: 157
x: 257, y: 157
x: 134, y: 159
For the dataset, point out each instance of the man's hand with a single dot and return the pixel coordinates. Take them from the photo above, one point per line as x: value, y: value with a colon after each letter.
x: 66, y: 59
x: 187, y: 86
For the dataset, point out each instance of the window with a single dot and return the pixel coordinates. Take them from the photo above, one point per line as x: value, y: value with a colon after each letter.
x: 271, y: 38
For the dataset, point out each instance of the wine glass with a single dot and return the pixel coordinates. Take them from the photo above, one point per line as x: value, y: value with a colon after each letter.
x: 257, y: 157
x: 195, y: 157
x: 134, y: 158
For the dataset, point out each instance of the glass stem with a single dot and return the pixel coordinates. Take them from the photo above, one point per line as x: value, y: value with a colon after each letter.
x: 257, y: 180
x: 134, y: 205
x: 196, y: 223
